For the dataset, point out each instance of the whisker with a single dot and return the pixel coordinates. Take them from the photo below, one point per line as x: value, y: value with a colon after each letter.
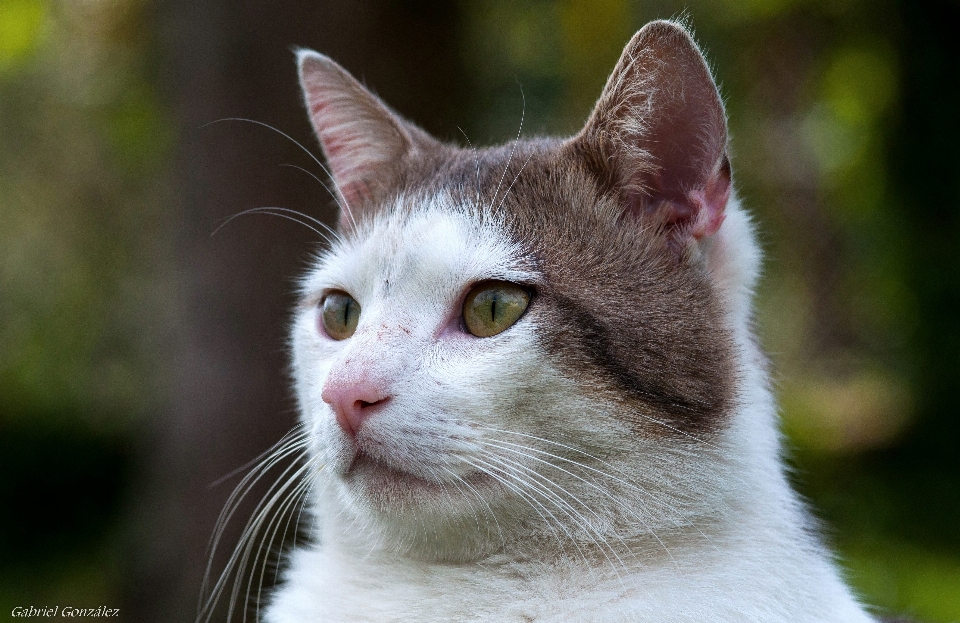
x: 254, y: 525
x: 476, y: 158
x: 274, y: 211
x: 271, y: 514
x: 345, y: 206
x: 292, y: 446
x: 633, y: 485
x: 327, y: 188
x: 516, y: 177
x: 443, y: 486
x: 629, y: 483
x: 620, y: 503
x: 293, y: 498
x: 255, y: 459
x: 567, y: 509
x: 678, y: 431
x: 285, y: 447
x: 513, y: 149
x: 485, y: 503
x: 306, y: 498
x: 524, y: 484
x: 473, y: 508
x: 533, y: 503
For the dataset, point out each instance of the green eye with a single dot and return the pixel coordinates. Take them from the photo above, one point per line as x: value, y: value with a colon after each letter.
x: 340, y: 314
x: 493, y: 307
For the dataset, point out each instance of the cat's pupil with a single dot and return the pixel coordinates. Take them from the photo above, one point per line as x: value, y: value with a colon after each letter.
x: 492, y: 307
x: 340, y: 314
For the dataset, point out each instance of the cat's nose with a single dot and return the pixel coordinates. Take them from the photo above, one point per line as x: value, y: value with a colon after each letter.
x: 353, y: 401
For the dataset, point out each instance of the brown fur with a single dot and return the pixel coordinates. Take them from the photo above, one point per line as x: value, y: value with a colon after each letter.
x: 619, y: 309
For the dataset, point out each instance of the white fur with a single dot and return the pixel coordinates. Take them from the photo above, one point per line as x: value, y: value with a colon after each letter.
x: 660, y: 530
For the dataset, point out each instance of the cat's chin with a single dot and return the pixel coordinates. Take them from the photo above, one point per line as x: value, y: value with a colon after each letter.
x: 387, y: 487
x: 424, y: 519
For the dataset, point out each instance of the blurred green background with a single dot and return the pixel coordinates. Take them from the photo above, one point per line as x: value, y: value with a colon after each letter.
x: 141, y: 359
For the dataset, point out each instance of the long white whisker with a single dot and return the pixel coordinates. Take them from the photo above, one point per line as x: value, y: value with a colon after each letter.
x: 345, y: 206
x: 291, y: 446
x: 485, y: 503
x: 306, y: 499
x: 678, y: 431
x: 513, y: 149
x: 566, y: 508
x: 292, y: 499
x: 320, y: 223
x: 525, y: 484
x: 552, y: 443
x: 325, y: 187
x: 255, y: 459
x: 533, y: 503
x: 274, y: 211
x: 501, y: 444
x: 246, y: 486
x: 473, y: 508
x: 256, y: 522
x: 291, y: 443
x: 476, y: 158
x: 289, y: 499
x: 506, y: 193
x: 632, y: 485
x: 618, y: 502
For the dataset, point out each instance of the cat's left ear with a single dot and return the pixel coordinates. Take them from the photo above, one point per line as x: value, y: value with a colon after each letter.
x: 659, y: 132
x: 365, y: 143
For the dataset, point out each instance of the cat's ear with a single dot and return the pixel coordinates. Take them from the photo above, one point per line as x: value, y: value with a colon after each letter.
x: 660, y: 132
x: 365, y: 143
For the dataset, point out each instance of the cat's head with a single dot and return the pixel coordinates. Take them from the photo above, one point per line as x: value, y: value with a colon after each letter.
x: 533, y: 338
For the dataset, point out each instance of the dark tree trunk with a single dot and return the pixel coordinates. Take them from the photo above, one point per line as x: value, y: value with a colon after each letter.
x: 230, y: 294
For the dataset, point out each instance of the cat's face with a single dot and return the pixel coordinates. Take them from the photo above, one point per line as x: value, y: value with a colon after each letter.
x: 437, y: 392
x: 443, y: 420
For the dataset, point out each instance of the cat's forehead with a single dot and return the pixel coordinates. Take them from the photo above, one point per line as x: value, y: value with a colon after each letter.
x: 422, y: 243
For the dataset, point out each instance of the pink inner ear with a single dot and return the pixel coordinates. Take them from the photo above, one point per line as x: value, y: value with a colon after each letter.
x: 341, y: 148
x: 334, y: 143
x: 698, y: 213
x: 358, y: 146
x: 709, y: 204
x: 685, y: 134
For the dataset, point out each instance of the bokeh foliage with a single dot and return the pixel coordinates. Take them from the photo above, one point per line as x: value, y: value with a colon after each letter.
x: 82, y: 137
x: 844, y: 143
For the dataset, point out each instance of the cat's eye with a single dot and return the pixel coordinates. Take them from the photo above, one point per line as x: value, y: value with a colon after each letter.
x: 492, y: 307
x: 340, y: 313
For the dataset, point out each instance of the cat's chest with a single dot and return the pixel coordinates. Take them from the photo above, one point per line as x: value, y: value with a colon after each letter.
x: 330, y: 586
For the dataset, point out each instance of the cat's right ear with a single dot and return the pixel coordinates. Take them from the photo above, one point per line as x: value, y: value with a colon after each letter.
x: 364, y: 142
x: 659, y: 134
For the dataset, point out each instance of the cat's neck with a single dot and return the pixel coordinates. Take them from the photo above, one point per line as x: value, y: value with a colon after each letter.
x: 762, y: 566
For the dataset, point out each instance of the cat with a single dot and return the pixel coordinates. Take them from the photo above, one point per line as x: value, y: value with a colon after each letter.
x: 527, y: 375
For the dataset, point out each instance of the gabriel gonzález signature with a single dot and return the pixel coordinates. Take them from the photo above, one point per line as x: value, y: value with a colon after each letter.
x: 68, y: 612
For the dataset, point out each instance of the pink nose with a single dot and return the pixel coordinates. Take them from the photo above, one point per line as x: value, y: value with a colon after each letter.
x: 353, y: 401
